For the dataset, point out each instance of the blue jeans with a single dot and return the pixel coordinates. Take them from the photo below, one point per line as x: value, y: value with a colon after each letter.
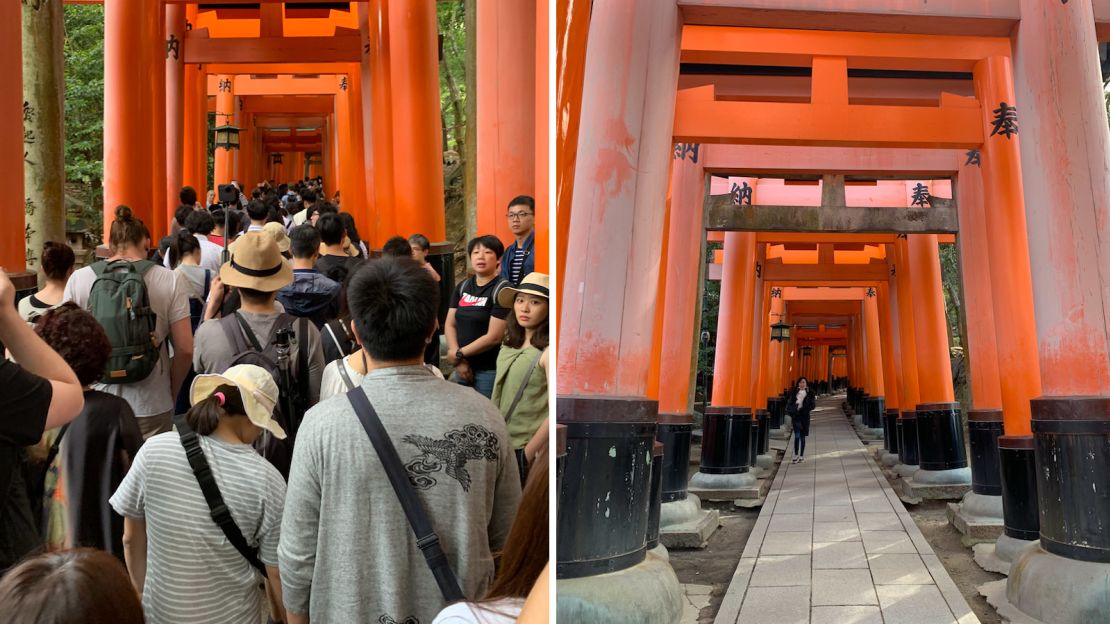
x: 483, y: 382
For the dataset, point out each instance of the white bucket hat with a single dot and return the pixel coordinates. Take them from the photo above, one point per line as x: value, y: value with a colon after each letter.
x: 256, y: 386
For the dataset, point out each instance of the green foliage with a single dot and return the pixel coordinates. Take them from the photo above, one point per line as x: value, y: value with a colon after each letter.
x: 711, y: 304
x: 952, y: 282
x: 84, y: 111
x: 452, y: 73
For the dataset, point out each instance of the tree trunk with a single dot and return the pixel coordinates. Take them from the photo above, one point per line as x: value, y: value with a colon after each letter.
x: 43, y: 126
x: 470, y: 152
x: 461, y: 118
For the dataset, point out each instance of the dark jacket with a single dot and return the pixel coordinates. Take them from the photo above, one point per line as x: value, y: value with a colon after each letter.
x: 312, y: 296
x: 800, y: 415
x: 529, y: 258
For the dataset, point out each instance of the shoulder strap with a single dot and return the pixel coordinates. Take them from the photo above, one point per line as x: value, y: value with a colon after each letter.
x: 520, y: 390
x: 208, y: 486
x: 343, y: 373
x: 99, y: 267
x: 142, y: 266
x: 426, y: 538
x: 251, y: 338
x: 302, y: 350
x: 234, y: 338
x: 334, y: 339
x: 53, y: 452
x: 207, y: 283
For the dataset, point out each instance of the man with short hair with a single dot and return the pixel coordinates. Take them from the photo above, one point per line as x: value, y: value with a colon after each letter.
x: 258, y: 270
x: 200, y: 223
x: 518, y: 260
x: 308, y: 199
x: 257, y: 210
x: 334, y: 261
x: 311, y: 294
x: 458, y: 456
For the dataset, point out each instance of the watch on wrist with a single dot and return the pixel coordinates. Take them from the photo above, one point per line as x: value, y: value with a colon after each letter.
x: 459, y: 356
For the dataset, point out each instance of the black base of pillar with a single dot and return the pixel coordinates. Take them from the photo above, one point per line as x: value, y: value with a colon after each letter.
x: 726, y: 440
x: 983, y: 428
x: 763, y: 419
x: 605, y: 496
x: 907, y: 443
x: 940, y: 437
x: 890, y: 430
x: 875, y: 407
x: 1072, y: 446
x: 776, y: 407
x: 674, y: 432
x: 652, y: 538
x: 753, y: 448
x: 1018, y: 482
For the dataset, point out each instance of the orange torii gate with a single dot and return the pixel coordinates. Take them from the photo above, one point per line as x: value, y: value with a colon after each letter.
x: 387, y: 160
x: 612, y: 212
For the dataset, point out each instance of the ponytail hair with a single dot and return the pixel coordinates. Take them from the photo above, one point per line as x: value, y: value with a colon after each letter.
x: 126, y: 229
x: 206, y: 414
x: 182, y: 244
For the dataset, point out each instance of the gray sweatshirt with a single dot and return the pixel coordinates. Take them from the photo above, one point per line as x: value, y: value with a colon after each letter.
x: 347, y: 553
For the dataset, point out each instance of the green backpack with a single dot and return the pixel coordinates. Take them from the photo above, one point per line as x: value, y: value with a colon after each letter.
x: 119, y: 301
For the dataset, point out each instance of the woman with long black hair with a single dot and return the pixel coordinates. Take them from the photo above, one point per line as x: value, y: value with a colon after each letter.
x: 799, y: 405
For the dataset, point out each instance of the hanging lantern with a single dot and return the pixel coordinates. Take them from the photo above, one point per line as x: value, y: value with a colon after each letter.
x: 807, y: 350
x: 227, y: 137
x: 780, y: 331
x: 277, y: 158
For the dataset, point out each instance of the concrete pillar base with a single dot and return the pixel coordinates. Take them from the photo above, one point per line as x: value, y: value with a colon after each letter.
x: 1044, y: 587
x: 646, y: 593
x: 955, y: 476
x: 736, y: 481
x: 978, y: 517
x: 889, y: 459
x: 906, y: 471
x: 661, y: 552
x: 680, y: 511
x: 765, y: 462
x: 997, y: 556
x: 684, y: 524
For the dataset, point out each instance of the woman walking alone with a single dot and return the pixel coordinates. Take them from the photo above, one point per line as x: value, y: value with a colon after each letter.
x: 799, y: 406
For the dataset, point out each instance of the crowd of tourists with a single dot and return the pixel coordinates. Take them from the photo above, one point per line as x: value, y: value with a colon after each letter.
x: 250, y: 420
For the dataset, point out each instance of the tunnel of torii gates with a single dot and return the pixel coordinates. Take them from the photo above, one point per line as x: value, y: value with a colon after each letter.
x: 831, y: 150
x: 346, y: 90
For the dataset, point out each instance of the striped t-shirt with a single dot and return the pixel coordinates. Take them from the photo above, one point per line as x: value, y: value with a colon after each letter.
x: 193, y: 574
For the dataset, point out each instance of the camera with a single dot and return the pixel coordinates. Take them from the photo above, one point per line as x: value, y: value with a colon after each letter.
x: 228, y: 194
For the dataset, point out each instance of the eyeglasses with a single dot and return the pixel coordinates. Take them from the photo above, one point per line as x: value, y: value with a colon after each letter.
x: 517, y: 216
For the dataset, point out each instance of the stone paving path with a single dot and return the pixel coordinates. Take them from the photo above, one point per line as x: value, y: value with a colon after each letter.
x: 833, y: 543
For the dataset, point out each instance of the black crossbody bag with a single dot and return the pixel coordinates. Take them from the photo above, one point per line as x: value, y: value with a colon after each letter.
x: 220, y: 513
x: 426, y: 538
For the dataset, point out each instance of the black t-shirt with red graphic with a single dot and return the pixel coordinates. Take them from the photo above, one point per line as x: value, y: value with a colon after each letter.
x: 474, y: 305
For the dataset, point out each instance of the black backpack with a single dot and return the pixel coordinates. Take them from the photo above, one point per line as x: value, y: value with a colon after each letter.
x: 293, y: 401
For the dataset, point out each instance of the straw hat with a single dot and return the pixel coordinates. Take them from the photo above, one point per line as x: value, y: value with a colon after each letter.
x: 256, y: 263
x: 533, y: 284
x: 257, y: 387
x: 278, y: 232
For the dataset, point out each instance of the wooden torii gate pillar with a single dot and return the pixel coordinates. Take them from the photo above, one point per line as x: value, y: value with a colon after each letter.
x: 607, y: 315
x: 1065, y: 154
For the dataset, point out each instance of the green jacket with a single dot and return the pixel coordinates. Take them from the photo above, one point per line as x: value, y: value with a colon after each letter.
x: 512, y: 364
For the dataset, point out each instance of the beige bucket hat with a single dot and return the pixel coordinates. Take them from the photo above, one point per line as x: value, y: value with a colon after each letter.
x: 256, y: 263
x: 532, y: 284
x: 257, y: 387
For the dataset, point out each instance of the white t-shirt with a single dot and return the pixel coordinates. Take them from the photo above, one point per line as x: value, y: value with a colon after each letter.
x: 169, y: 299
x: 503, y: 611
